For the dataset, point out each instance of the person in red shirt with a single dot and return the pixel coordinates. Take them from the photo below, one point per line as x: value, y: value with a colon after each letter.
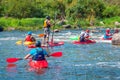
x: 29, y: 37
x: 116, y: 31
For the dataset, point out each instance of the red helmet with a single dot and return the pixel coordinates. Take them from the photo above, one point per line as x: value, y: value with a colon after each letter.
x: 108, y: 30
x: 88, y: 31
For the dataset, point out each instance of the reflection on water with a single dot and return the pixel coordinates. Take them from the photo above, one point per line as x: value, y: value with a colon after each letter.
x: 11, y: 70
x: 40, y: 71
x: 99, y: 61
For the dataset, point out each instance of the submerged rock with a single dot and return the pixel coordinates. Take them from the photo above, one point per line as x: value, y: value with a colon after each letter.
x: 67, y: 26
x: 116, y: 39
x: 56, y: 30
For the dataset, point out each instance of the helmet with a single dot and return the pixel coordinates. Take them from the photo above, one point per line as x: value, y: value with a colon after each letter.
x: 48, y: 17
x: 87, y: 30
x: 38, y: 44
x: 29, y: 33
x: 107, y: 30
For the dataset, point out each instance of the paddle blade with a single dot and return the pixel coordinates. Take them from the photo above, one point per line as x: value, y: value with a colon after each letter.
x: 19, y: 42
x: 41, y: 35
x: 56, y: 54
x: 12, y: 60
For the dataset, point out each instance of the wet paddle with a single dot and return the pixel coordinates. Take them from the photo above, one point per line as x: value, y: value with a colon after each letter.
x: 12, y: 60
x: 19, y: 42
x: 56, y: 54
x: 40, y: 35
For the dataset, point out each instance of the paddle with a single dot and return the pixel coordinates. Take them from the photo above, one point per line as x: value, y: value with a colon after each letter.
x: 19, y: 42
x: 40, y: 35
x: 56, y: 54
x: 12, y: 60
x: 53, y: 28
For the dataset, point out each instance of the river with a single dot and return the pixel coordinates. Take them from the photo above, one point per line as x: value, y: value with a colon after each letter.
x: 99, y: 61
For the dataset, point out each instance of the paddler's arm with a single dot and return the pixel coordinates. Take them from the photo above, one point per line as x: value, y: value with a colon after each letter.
x: 46, y: 53
x: 27, y: 56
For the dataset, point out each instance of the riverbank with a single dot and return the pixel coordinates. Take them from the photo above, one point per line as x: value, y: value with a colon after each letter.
x: 37, y: 23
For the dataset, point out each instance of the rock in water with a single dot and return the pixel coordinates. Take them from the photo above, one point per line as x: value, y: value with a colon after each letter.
x: 116, y: 39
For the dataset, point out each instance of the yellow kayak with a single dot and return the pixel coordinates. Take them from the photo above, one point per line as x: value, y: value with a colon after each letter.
x: 26, y: 43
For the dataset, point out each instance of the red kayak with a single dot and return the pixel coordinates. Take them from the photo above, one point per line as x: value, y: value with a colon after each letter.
x: 107, y: 39
x: 50, y: 44
x: 38, y: 64
x: 86, y: 42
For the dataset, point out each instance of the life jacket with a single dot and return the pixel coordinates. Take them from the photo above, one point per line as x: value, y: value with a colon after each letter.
x: 87, y: 35
x: 39, y: 56
x: 82, y: 34
x: 28, y: 38
x: 45, y: 24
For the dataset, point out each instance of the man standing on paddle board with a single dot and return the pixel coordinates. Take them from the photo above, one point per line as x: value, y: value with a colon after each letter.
x: 47, y: 25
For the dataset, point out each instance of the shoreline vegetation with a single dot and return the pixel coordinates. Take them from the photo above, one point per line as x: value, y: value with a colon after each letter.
x: 26, y: 24
x: 72, y: 14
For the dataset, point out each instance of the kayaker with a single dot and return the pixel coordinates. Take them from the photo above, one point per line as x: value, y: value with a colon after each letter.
x: 29, y: 37
x: 116, y: 31
x: 87, y: 35
x: 47, y: 25
x: 38, y: 55
x: 84, y: 36
x: 107, y: 35
x: 81, y: 37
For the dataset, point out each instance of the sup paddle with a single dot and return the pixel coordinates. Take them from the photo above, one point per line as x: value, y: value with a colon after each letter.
x: 12, y: 60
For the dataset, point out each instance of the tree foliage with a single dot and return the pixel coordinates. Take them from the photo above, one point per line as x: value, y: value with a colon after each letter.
x: 64, y: 9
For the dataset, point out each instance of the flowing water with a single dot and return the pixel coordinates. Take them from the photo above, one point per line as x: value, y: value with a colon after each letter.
x: 99, y: 61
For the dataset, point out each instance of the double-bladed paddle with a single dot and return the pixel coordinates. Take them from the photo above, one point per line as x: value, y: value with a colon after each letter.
x: 12, y: 60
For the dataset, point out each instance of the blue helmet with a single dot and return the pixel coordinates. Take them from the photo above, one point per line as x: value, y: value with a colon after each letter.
x: 38, y: 44
x: 29, y: 33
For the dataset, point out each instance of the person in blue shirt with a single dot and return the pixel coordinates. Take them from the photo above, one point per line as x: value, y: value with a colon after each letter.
x: 107, y: 35
x: 38, y: 56
x: 37, y: 53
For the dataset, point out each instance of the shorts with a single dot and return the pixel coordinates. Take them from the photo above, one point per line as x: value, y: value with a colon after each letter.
x: 47, y: 31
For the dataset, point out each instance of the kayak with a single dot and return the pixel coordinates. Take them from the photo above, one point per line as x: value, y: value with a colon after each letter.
x: 86, y: 42
x: 33, y: 46
x: 26, y: 43
x: 38, y: 64
x: 107, y: 39
x: 50, y: 44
